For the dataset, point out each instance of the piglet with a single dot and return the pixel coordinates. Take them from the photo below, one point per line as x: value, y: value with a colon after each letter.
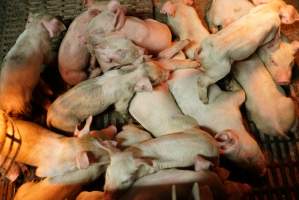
x: 185, y: 23
x: 149, y: 34
x: 73, y: 57
x: 272, y: 112
x: 23, y: 64
x: 221, y: 116
x: 115, y: 50
x: 278, y: 57
x: 234, y: 9
x: 46, y: 191
x: 181, y: 149
x: 238, y: 41
x: 93, y: 96
x: 152, y: 108
x: 75, y: 159
x: 130, y: 135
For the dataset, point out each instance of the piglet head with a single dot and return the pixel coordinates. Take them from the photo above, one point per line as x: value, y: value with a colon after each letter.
x: 121, y: 173
x: 52, y: 24
x: 288, y: 14
x: 242, y: 149
x: 123, y: 170
x: 279, y: 60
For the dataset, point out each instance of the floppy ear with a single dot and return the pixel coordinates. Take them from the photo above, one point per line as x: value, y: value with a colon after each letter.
x: 54, y: 27
x: 288, y: 14
x: 168, y: 8
x: 84, y: 159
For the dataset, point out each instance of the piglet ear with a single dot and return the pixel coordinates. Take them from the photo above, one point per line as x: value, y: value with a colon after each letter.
x: 54, y: 27
x: 295, y: 46
x: 288, y: 14
x: 83, y: 160
x: 168, y: 8
x: 227, y: 141
x: 143, y: 84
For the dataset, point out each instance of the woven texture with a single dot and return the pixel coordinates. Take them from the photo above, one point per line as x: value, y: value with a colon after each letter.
x: 282, y: 180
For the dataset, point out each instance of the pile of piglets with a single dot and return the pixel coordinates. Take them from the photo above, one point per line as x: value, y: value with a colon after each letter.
x: 180, y: 120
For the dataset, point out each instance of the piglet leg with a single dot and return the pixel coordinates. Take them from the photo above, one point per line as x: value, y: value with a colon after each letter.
x: 175, y: 64
x: 174, y: 49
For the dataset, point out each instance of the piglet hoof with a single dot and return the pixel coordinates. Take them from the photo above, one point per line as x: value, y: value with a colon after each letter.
x: 168, y: 8
x: 202, y: 164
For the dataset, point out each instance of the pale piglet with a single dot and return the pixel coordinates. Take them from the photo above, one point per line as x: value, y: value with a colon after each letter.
x: 221, y: 116
x: 130, y: 135
x: 234, y: 9
x: 46, y: 191
x: 91, y: 97
x: 23, y: 64
x: 185, y: 23
x: 75, y: 159
x: 184, y: 149
x: 278, y: 57
x: 74, y: 58
x: 238, y: 41
x: 152, y: 108
x: 149, y: 33
x: 272, y: 112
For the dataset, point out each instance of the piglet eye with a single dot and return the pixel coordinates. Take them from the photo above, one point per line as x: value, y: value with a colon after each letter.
x: 125, y: 181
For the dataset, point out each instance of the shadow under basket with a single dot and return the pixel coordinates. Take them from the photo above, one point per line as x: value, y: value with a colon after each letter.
x: 282, y: 178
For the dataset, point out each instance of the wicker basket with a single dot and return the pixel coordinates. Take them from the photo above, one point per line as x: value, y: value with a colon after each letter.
x: 282, y: 180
